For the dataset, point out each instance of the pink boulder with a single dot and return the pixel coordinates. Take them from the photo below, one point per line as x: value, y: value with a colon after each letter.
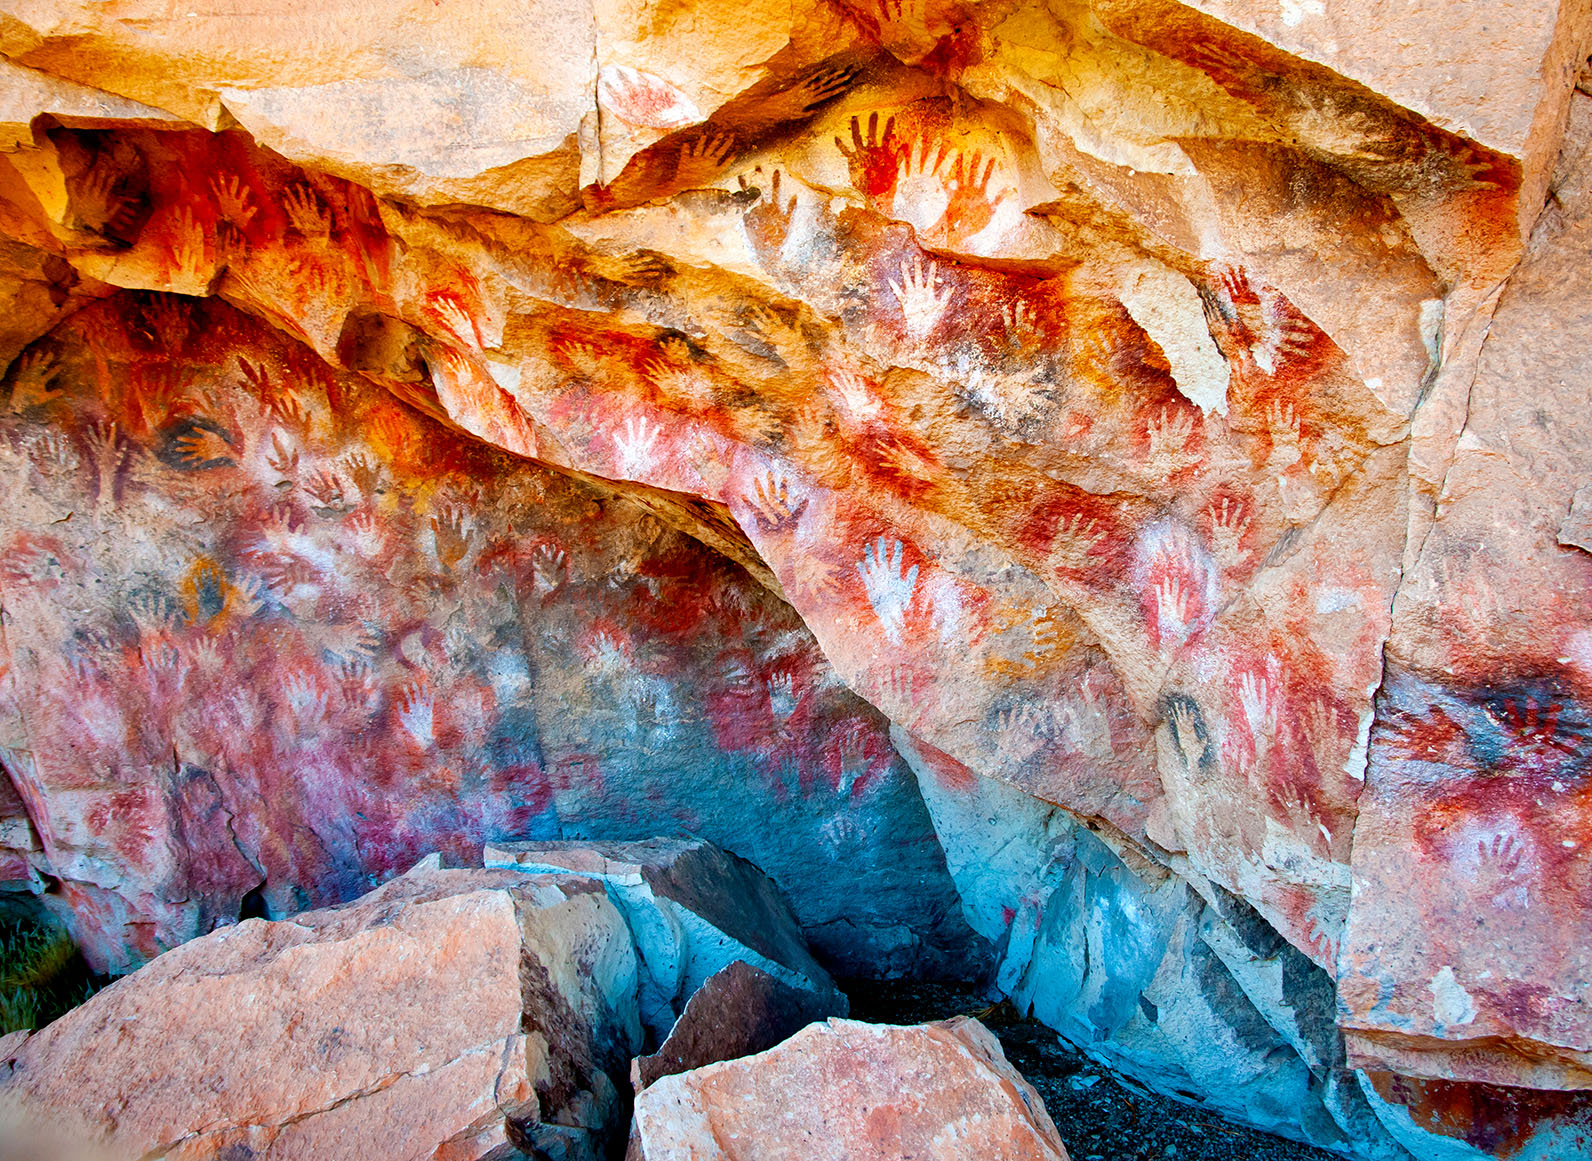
x: 444, y: 1015
x: 852, y: 1091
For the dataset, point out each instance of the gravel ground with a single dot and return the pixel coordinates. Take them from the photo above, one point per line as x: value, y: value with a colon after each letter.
x: 1099, y: 1119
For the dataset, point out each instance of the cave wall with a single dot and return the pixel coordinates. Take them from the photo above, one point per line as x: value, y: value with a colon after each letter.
x: 271, y: 633
x: 1171, y: 412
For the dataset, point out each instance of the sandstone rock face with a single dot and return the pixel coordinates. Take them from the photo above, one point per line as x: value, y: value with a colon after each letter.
x: 329, y: 1035
x: 503, y: 95
x: 1492, y: 76
x: 843, y: 1089
x: 289, y: 644
x: 1482, y: 748
x: 692, y: 910
x: 1181, y: 985
x: 1139, y: 403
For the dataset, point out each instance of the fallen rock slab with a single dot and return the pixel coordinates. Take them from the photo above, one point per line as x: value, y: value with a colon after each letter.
x: 693, y: 910
x: 740, y: 1010
x: 445, y: 1014
x: 862, y: 1092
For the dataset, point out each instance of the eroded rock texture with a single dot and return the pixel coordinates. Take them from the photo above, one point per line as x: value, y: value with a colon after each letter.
x: 364, y: 1054
x: 841, y: 1089
x: 1171, y: 412
x: 277, y: 647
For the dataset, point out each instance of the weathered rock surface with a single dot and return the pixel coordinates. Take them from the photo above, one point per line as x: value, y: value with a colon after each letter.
x: 442, y: 1015
x: 1177, y: 984
x: 1480, y: 783
x: 1138, y: 401
x: 843, y: 1089
x: 693, y: 910
x: 289, y: 644
x: 739, y: 1010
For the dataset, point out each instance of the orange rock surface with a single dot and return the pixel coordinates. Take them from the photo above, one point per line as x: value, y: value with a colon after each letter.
x: 842, y: 1089
x: 1166, y: 414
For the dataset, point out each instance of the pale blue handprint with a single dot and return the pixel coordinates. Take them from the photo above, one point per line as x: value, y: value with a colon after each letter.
x: 889, y: 588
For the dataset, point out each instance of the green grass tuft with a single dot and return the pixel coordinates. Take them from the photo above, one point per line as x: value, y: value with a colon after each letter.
x: 42, y: 975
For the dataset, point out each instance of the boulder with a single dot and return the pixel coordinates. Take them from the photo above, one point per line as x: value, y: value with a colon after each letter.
x: 693, y: 910
x: 862, y: 1092
x: 739, y: 1010
x: 29, y: 1142
x: 447, y: 1013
